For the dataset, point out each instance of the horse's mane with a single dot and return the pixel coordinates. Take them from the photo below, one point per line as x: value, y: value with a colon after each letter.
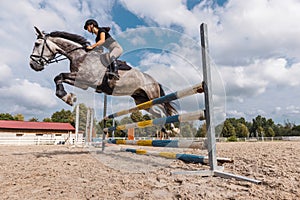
x: 70, y: 36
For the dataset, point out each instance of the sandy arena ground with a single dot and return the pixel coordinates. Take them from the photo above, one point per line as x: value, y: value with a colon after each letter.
x: 66, y: 172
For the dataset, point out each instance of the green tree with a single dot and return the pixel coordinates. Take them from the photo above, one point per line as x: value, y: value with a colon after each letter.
x: 242, y: 130
x: 187, y: 129
x: 257, y: 122
x: 136, y: 116
x: 149, y: 131
x: 264, y: 127
x: 201, y: 132
x: 260, y: 131
x: 82, y: 117
x: 6, y: 116
x: 270, y: 132
x: 296, y: 131
x: 111, y: 123
x: 270, y: 123
x: 63, y: 116
x: 276, y: 129
x: 219, y: 129
x: 19, y: 117
x: 228, y: 129
x: 283, y: 130
x: 33, y: 119
x: 47, y: 120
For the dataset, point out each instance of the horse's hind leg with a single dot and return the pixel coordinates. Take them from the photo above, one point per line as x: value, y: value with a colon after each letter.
x: 69, y: 78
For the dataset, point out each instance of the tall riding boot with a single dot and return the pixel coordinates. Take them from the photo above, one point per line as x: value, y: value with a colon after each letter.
x: 114, y: 71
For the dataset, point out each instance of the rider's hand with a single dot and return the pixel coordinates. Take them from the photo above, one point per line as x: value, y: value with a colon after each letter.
x: 89, y: 48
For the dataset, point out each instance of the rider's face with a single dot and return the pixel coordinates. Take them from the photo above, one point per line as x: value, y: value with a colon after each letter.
x: 90, y: 28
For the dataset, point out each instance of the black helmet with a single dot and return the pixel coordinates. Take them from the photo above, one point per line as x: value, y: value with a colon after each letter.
x: 89, y: 22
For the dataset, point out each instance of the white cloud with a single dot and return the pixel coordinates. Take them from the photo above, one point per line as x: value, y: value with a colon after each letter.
x: 162, y: 12
x: 5, y: 74
x: 235, y: 113
x: 277, y: 71
x: 278, y: 109
x: 239, y: 33
x: 256, y: 29
x: 24, y: 92
x: 254, y: 79
x: 293, y: 109
x: 138, y: 41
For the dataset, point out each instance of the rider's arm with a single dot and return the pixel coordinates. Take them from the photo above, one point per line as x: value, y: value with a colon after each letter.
x: 99, y: 43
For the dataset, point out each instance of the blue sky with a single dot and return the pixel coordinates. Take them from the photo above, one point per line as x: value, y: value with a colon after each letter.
x: 254, y: 49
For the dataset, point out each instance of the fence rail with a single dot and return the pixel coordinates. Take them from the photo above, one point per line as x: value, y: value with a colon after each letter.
x: 35, y: 141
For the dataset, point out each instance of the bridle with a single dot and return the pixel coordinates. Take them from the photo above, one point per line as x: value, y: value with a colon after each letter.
x: 41, y: 60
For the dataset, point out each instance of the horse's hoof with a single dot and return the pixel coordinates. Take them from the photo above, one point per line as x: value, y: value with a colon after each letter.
x: 69, y: 99
x: 74, y: 98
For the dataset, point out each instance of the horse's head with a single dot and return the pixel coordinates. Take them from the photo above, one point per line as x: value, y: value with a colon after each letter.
x: 43, y: 51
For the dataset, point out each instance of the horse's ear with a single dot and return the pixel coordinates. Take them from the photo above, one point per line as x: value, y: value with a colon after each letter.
x: 38, y: 32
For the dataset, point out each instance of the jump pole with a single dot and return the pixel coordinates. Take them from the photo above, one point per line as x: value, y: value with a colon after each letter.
x: 197, y: 115
x: 187, y: 158
x: 192, y: 144
x: 164, y: 99
x: 214, y: 170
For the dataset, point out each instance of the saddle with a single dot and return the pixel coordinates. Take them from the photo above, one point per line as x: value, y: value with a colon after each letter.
x: 108, y: 84
x: 105, y: 60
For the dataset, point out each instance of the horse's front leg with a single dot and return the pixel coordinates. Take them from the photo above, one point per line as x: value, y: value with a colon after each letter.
x: 69, y: 78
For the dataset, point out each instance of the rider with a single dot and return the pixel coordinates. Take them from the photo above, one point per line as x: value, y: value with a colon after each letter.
x: 104, y: 39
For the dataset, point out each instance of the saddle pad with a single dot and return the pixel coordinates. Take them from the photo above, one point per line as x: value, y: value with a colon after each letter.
x: 123, y: 65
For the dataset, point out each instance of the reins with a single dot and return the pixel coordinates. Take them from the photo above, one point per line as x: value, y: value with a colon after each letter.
x: 39, y: 58
x: 55, y: 59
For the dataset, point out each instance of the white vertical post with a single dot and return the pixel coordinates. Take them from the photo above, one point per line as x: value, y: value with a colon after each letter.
x: 207, y: 84
x: 77, y: 123
x: 91, y: 125
x: 209, y: 113
x: 104, y: 121
x: 87, y: 125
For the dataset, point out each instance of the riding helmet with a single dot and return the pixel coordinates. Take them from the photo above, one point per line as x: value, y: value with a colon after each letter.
x: 89, y: 22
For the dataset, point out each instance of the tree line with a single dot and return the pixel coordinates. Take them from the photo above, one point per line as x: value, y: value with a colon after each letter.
x: 258, y: 127
x: 231, y: 128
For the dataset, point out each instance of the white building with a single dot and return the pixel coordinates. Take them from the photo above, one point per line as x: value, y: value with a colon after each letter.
x: 25, y: 133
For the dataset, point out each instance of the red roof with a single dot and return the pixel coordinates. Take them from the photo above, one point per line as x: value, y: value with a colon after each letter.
x: 36, y: 125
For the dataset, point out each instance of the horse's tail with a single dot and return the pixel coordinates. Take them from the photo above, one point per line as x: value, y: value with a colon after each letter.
x: 169, y: 106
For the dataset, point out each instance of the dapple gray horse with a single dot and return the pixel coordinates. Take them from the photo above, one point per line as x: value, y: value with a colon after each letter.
x: 87, y: 70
